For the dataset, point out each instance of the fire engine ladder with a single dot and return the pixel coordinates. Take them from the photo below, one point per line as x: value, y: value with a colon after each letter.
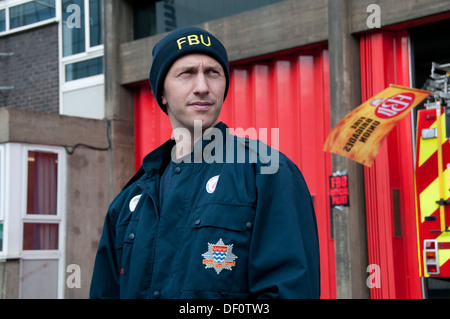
x: 439, y: 84
x: 6, y: 54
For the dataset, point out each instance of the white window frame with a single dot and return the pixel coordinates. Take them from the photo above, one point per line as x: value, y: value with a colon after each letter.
x: 6, y: 4
x: 16, y: 182
x: 89, y: 53
x: 83, y: 82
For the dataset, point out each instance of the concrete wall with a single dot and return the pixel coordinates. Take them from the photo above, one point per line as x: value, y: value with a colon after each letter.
x: 87, y: 202
x: 9, y: 279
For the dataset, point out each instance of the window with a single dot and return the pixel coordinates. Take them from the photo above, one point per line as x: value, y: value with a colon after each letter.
x: 2, y: 21
x: 82, y: 38
x: 18, y: 15
x: 81, y: 59
x: 153, y: 17
x: 84, y: 69
x: 42, y: 222
x: 31, y: 12
x: 40, y: 228
x: 32, y: 202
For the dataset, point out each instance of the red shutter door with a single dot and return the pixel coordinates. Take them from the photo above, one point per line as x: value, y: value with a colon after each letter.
x: 390, y: 206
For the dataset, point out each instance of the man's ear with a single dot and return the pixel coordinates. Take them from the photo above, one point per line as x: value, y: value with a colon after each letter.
x: 163, y: 99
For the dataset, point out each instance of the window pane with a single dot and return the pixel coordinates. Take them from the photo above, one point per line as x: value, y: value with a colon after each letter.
x: 42, y: 183
x: 84, y: 69
x: 95, y: 22
x: 31, y: 12
x: 73, y: 27
x: 38, y: 236
x: 2, y: 21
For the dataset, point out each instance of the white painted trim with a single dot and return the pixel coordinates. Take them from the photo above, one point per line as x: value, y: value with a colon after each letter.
x: 61, y: 70
x: 13, y: 202
x: 87, y: 26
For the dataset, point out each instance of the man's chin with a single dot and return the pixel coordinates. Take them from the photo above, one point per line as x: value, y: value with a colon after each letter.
x: 202, y: 124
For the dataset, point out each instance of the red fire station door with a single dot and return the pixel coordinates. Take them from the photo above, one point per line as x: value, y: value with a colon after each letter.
x: 389, y: 183
x: 288, y: 92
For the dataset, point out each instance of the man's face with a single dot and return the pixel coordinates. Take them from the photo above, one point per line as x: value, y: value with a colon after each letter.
x: 194, y: 89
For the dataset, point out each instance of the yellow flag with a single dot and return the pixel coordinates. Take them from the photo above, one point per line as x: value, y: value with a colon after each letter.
x: 360, y: 133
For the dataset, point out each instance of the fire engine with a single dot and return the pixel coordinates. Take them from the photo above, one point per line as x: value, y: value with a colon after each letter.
x: 432, y: 177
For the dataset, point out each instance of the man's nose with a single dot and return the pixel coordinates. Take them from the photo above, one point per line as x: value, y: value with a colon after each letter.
x: 201, y: 84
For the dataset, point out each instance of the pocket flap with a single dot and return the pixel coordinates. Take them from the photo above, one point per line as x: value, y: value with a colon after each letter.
x: 233, y: 217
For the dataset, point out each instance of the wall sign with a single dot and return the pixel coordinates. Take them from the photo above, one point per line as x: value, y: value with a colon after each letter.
x: 339, y: 190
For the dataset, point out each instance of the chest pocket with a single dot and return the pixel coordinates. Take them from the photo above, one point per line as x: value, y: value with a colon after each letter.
x: 232, y: 217
x: 217, y: 243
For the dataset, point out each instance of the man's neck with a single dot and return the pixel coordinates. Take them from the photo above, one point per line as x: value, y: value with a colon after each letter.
x: 185, y: 139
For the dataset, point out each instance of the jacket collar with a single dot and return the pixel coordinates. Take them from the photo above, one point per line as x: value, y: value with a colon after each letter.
x: 155, y: 160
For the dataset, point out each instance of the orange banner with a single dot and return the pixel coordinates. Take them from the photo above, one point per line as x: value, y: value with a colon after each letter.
x: 360, y: 133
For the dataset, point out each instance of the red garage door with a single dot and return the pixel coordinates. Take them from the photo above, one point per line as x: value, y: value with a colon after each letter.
x: 390, y: 207
x: 288, y: 92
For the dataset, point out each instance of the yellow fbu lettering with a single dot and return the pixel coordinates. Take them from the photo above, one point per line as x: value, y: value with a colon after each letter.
x: 180, y: 41
x: 193, y: 39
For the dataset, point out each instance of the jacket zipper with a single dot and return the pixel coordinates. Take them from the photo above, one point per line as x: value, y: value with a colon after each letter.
x: 153, y: 200
x: 141, y: 186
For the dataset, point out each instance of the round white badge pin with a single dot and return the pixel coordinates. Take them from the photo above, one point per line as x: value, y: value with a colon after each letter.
x: 212, y: 184
x: 133, y: 202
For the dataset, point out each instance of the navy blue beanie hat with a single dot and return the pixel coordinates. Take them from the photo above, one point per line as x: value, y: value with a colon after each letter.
x: 178, y: 43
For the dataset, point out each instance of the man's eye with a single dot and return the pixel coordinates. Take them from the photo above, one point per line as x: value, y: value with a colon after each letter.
x: 214, y: 72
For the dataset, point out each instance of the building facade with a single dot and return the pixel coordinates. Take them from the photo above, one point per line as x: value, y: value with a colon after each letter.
x: 77, y: 115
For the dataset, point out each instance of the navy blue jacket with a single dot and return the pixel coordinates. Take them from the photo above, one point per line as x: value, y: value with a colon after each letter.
x: 225, y: 230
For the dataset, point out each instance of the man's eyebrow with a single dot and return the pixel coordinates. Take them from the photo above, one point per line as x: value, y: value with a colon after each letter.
x: 185, y: 67
x: 193, y: 67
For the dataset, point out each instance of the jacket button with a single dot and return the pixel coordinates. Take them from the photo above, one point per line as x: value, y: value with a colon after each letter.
x: 249, y: 225
x: 197, y: 222
x: 156, y: 294
x: 131, y: 236
x: 177, y: 170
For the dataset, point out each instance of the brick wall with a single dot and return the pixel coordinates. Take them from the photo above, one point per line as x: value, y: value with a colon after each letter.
x: 32, y: 70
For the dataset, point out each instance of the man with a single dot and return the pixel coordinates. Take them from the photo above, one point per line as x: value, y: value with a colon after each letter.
x: 196, y: 221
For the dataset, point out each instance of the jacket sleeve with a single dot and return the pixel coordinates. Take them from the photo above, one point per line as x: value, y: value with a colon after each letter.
x: 105, y: 277
x: 284, y: 251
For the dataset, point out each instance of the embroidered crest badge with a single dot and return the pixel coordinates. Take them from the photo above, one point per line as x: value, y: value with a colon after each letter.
x: 219, y: 256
